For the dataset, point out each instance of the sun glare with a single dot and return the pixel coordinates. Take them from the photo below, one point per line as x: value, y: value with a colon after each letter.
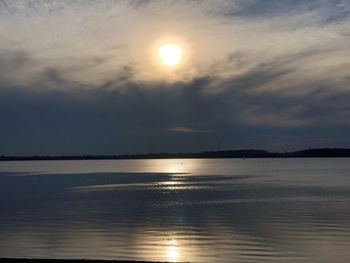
x: 170, y: 54
x: 172, y: 251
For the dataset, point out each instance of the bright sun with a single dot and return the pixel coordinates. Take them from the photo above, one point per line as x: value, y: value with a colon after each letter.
x: 170, y: 54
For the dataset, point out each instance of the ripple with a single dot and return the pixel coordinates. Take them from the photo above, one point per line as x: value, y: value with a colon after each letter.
x: 232, y: 212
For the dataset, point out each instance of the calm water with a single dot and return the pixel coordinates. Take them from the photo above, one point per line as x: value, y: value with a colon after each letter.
x: 227, y: 210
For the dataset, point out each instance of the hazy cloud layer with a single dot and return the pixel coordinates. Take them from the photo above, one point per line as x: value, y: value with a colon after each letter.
x: 83, y: 76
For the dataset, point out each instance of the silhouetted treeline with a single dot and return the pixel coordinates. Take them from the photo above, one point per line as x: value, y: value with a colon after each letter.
x: 31, y: 260
x: 210, y: 154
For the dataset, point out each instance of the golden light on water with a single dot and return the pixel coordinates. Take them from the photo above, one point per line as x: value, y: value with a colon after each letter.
x: 175, y: 166
x: 170, y: 54
x: 172, y: 251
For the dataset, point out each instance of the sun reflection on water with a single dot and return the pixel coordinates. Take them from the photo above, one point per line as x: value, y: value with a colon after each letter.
x: 170, y: 185
x: 172, y: 252
x: 174, y: 166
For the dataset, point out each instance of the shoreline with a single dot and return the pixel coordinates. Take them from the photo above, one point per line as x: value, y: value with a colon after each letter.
x: 43, y: 260
x: 227, y: 154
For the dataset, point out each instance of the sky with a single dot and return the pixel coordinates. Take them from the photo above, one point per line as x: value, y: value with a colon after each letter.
x: 84, y: 76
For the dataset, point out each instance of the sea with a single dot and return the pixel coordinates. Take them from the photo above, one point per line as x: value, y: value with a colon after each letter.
x: 177, y: 210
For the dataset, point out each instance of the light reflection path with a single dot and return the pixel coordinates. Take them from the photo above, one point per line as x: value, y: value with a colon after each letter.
x: 173, y: 254
x: 177, y: 210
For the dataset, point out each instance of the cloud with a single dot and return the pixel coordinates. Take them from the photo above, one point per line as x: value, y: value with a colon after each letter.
x: 82, y: 76
x: 123, y: 116
x: 185, y: 130
x: 307, y: 13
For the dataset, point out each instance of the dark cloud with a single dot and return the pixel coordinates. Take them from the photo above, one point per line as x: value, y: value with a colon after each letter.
x: 125, y: 116
x: 329, y: 11
x: 12, y: 61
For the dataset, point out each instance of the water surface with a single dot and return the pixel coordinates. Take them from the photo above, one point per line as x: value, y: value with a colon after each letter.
x: 198, y: 210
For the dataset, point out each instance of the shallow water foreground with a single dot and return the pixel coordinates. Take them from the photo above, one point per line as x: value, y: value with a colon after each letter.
x: 218, y: 210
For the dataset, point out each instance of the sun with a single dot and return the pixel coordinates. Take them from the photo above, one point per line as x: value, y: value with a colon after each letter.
x: 170, y: 54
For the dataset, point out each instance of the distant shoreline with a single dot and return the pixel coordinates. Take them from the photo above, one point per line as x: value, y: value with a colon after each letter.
x: 34, y: 260
x: 242, y: 154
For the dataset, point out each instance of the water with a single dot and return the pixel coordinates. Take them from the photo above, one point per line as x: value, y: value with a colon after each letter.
x: 198, y: 210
